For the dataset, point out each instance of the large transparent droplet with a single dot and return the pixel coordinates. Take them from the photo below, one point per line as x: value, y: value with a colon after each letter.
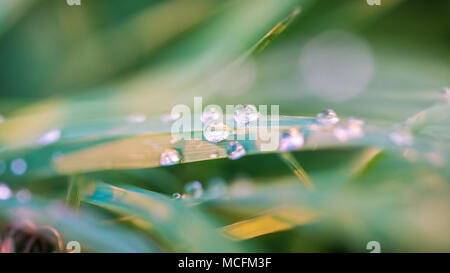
x: 244, y: 114
x: 5, y: 192
x: 170, y: 157
x: 291, y: 140
x: 194, y: 189
x: 210, y: 114
x: 327, y: 116
x: 216, y: 131
x: 235, y: 150
x: 350, y: 129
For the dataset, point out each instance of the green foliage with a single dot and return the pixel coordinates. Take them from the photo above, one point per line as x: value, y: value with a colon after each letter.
x: 90, y: 71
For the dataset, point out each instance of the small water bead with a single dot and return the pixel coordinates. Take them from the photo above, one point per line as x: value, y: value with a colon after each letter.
x: 49, y: 137
x: 402, y: 137
x: 235, y: 150
x: 291, y: 140
x: 177, y: 196
x: 170, y: 157
x: 216, y: 131
x: 327, y: 116
x: 244, y: 114
x: 5, y: 192
x: 18, y: 166
x: 350, y: 129
x: 210, y: 114
x: 194, y: 189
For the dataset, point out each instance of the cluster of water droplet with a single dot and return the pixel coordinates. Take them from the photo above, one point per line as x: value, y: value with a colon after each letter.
x: 291, y: 140
x: 193, y: 190
x: 235, y: 150
x: 170, y: 157
x: 244, y: 114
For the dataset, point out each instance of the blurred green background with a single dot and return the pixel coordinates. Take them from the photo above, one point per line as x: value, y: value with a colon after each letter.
x: 88, y: 69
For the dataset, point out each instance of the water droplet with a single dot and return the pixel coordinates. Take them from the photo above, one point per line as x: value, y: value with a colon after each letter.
x: 216, y: 131
x: 177, y: 195
x: 18, y: 166
x: 244, y: 114
x: 327, y: 116
x: 350, y: 129
x: 5, y: 192
x: 194, y: 189
x: 136, y: 118
x: 291, y: 140
x: 23, y: 196
x: 210, y: 114
x: 49, y: 137
x: 170, y: 157
x: 402, y: 137
x: 235, y: 150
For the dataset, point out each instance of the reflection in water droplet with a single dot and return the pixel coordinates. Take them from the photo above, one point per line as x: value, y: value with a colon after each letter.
x: 177, y: 195
x: 23, y: 195
x: 2, y: 167
x: 327, y: 116
x: 210, y: 114
x: 402, y: 137
x: 194, y: 189
x: 136, y: 118
x: 5, y: 192
x: 291, y: 140
x: 243, y: 114
x: 18, y: 166
x: 49, y: 137
x: 350, y: 129
x: 170, y: 157
x: 235, y: 150
x: 216, y: 131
